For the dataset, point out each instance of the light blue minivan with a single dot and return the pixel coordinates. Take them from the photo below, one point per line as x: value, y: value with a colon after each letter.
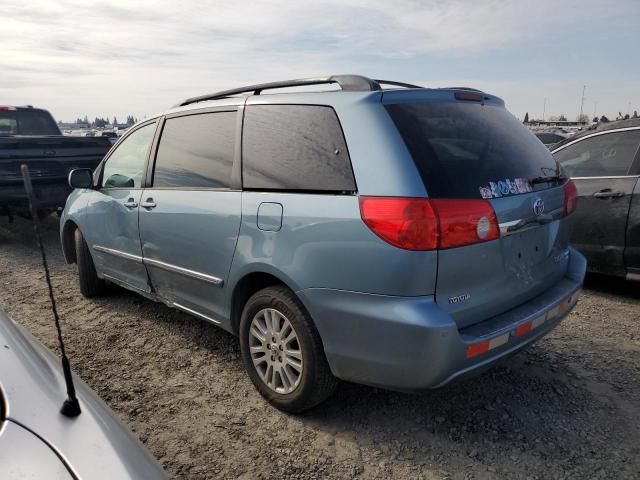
x: 401, y: 237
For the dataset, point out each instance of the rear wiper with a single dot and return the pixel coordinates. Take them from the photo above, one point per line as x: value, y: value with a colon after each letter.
x: 548, y: 179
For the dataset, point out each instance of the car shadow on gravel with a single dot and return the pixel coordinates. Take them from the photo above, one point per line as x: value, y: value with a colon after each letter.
x: 532, y: 400
x: 612, y: 285
x: 518, y: 407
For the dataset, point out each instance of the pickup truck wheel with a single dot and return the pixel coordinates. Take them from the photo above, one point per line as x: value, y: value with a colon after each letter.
x: 282, y: 351
x: 90, y: 284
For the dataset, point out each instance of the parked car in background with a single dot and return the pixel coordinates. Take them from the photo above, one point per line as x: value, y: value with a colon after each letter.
x: 549, y: 139
x: 37, y: 441
x: 402, y: 238
x: 30, y: 136
x: 605, y: 166
x: 112, y: 136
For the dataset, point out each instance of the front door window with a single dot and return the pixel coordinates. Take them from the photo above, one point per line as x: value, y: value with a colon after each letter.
x: 125, y: 167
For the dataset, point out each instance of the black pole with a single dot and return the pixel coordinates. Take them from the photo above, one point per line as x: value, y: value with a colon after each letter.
x: 70, y: 407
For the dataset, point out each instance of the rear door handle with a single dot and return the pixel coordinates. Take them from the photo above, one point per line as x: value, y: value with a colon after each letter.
x: 148, y: 204
x: 131, y: 203
x: 607, y: 193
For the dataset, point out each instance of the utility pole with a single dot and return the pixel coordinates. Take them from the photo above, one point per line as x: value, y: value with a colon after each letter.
x: 582, y: 102
x: 595, y: 108
x: 544, y: 108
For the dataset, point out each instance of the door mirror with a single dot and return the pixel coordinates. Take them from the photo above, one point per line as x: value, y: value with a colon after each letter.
x: 81, y: 178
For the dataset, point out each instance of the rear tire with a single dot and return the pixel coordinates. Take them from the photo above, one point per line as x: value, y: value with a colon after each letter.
x: 296, y: 385
x: 90, y: 284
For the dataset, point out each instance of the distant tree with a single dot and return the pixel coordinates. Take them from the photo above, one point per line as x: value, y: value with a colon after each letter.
x: 85, y: 120
x: 635, y: 114
x: 595, y: 119
x: 604, y: 119
x: 626, y: 117
x: 526, y: 117
x: 115, y: 121
x: 100, y: 122
x: 562, y: 118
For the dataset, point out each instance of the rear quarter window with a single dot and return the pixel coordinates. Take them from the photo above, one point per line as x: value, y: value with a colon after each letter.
x: 294, y: 147
x: 459, y: 148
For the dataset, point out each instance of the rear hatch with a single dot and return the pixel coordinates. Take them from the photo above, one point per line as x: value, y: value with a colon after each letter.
x: 466, y: 145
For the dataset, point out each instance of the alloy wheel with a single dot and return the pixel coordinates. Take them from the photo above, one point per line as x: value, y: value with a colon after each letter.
x: 275, y: 351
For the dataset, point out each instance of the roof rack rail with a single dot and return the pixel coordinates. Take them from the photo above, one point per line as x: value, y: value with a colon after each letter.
x: 352, y: 83
x: 398, y: 84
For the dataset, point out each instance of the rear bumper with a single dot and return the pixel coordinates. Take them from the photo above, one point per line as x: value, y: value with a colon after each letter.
x: 410, y: 343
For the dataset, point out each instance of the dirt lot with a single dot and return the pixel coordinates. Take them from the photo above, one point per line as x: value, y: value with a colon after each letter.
x: 569, y: 407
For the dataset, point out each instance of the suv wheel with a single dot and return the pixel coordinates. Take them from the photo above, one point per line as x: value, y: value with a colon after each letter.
x: 282, y: 351
x: 90, y: 284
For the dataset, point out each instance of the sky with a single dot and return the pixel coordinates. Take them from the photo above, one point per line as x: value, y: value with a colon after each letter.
x: 139, y: 57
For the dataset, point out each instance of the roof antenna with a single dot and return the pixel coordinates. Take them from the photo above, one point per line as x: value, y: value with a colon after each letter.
x: 70, y: 407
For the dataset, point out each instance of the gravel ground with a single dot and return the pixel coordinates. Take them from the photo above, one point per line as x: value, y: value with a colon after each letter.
x: 569, y: 407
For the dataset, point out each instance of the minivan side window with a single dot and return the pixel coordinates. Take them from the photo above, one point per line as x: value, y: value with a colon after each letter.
x: 196, y: 151
x: 125, y: 167
x: 610, y: 154
x: 295, y: 147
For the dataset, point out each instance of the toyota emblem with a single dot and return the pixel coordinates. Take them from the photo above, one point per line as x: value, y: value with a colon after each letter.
x: 538, y: 207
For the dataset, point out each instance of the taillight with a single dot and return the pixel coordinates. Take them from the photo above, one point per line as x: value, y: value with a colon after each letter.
x: 3, y: 108
x: 570, y: 197
x: 408, y: 223
x: 429, y: 224
x: 463, y: 222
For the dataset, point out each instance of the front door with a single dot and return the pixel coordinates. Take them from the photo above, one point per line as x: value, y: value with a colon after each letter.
x: 113, y: 233
x: 600, y: 166
x: 190, y: 216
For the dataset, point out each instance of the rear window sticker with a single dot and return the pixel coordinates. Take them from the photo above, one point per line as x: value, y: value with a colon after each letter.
x: 506, y: 187
x: 485, y: 192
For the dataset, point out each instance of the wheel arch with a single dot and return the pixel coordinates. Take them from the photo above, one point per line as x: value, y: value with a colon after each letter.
x: 68, y: 242
x: 246, y: 286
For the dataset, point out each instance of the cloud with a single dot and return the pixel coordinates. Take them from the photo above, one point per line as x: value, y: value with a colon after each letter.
x: 142, y: 56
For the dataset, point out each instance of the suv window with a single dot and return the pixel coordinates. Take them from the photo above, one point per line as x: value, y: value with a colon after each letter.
x: 196, y: 151
x: 29, y: 121
x: 125, y: 166
x: 294, y: 147
x: 610, y: 154
x: 461, y: 148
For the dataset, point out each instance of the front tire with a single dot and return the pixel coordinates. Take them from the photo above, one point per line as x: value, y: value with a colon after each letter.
x: 282, y: 351
x: 90, y: 284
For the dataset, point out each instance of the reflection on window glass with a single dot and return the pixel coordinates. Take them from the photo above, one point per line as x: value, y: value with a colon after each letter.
x: 8, y: 126
x: 125, y: 167
x: 294, y: 147
x: 196, y: 151
x: 459, y: 147
x: 610, y: 154
x: 27, y: 122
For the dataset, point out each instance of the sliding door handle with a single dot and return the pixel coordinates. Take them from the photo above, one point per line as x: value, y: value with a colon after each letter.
x: 131, y: 203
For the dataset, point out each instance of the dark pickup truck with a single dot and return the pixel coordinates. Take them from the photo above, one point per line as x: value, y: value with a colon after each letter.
x: 30, y: 136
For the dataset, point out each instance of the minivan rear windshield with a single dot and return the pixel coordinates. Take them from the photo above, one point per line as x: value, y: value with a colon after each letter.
x: 470, y: 150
